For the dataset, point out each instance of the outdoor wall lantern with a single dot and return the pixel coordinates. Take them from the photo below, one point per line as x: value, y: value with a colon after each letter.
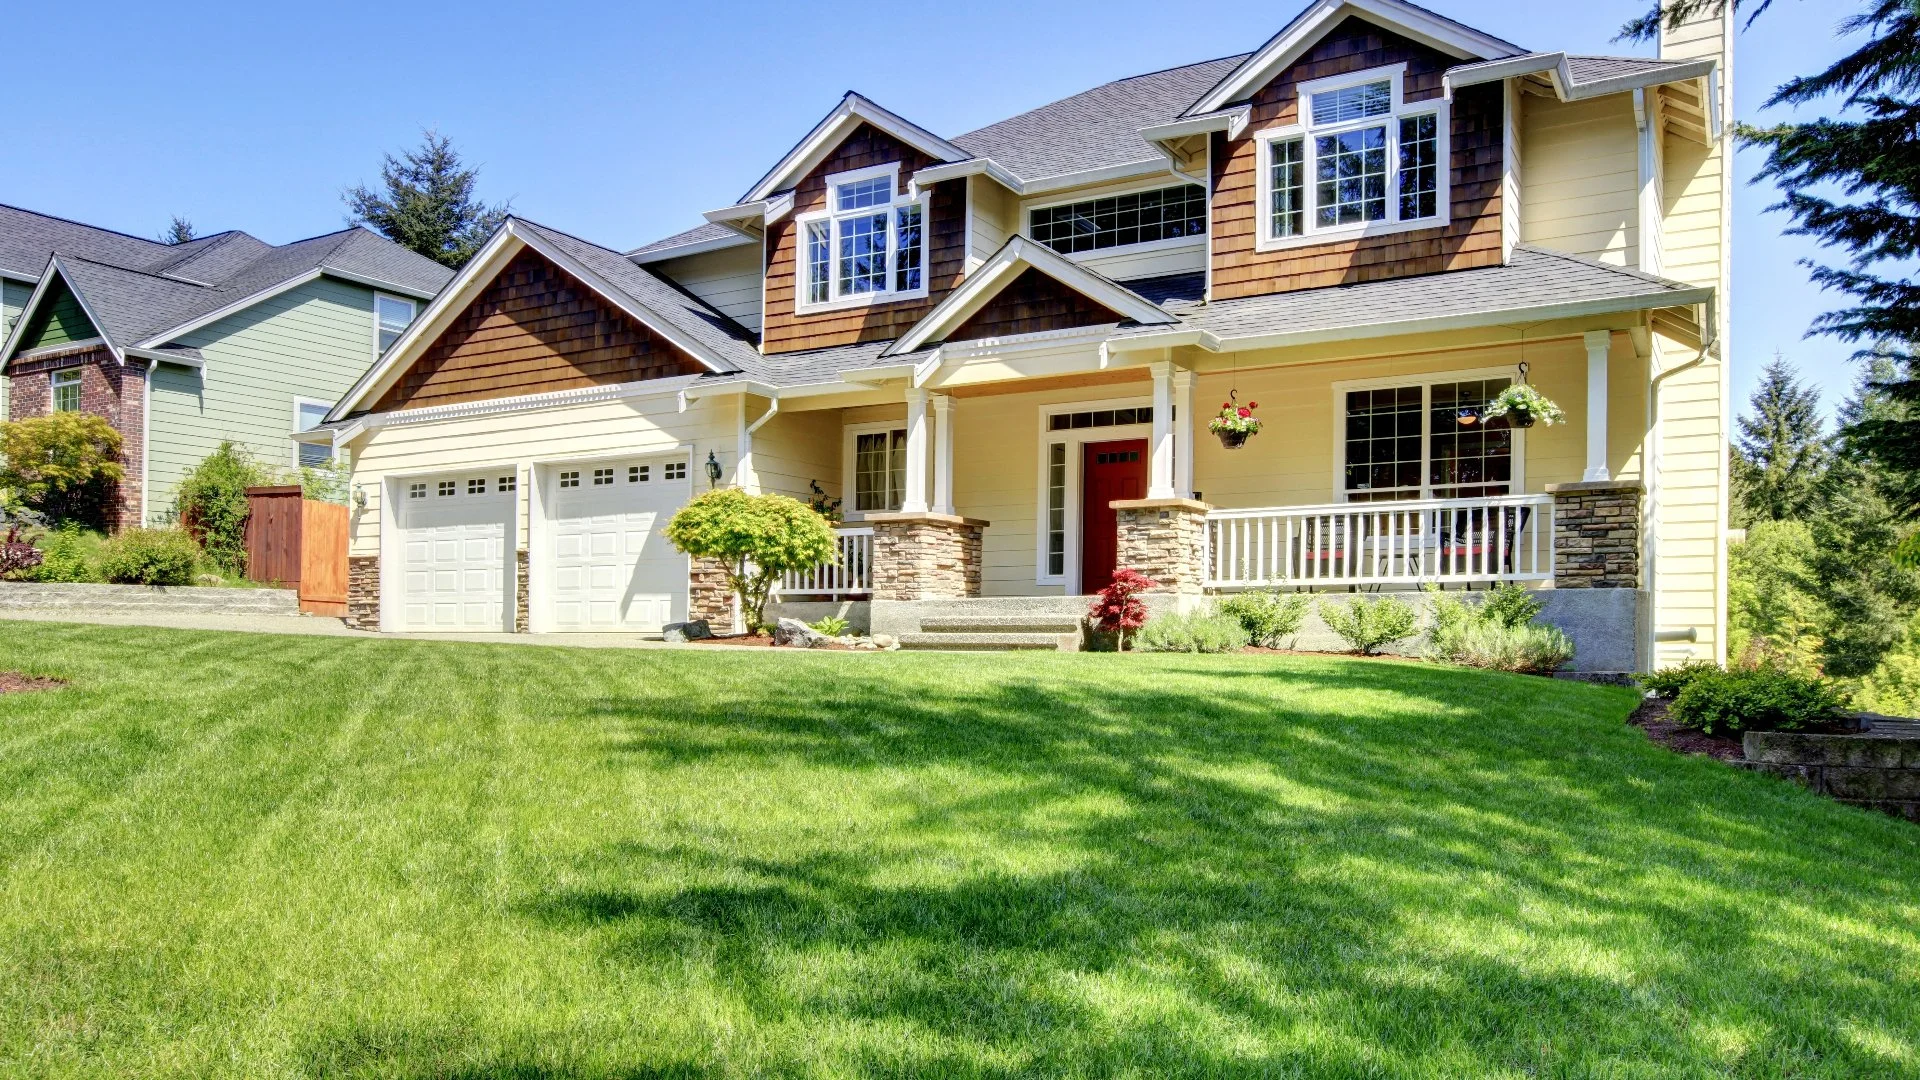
x: 359, y: 497
x: 713, y: 470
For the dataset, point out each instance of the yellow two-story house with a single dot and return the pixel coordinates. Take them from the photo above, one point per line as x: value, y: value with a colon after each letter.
x: 1000, y: 354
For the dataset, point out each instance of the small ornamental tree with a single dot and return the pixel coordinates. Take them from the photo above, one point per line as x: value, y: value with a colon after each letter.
x: 1118, y: 607
x: 60, y: 465
x: 756, y: 538
x: 212, y: 504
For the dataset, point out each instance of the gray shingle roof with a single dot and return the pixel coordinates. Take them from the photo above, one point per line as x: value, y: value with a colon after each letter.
x: 699, y: 234
x: 1593, y: 69
x: 1096, y: 129
x: 137, y: 289
x: 1535, y: 279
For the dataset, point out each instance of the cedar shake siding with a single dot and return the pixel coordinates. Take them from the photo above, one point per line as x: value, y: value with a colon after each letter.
x: 946, y: 250
x: 534, y: 329
x: 1470, y: 239
x: 1033, y: 302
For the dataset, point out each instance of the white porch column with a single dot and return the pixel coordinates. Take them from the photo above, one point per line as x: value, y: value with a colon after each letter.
x: 914, y: 500
x: 744, y: 476
x: 1160, y: 449
x: 1183, y: 433
x: 942, y: 454
x: 1597, y: 342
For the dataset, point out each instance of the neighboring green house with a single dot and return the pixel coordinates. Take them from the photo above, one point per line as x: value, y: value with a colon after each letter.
x: 183, y: 346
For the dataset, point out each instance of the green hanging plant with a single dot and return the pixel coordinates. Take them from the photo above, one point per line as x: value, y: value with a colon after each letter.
x: 1526, y: 404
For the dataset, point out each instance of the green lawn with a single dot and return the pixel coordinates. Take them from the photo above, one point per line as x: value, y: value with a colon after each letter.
x: 281, y: 856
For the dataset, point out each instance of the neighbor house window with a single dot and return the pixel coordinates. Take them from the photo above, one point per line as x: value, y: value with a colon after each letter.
x: 308, y: 415
x: 66, y: 391
x: 1407, y: 442
x: 392, y: 314
x: 868, y: 244
x: 879, y: 470
x: 1140, y: 217
x: 1360, y: 158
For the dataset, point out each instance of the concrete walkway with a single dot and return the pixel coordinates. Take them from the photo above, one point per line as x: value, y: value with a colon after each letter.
x: 319, y: 626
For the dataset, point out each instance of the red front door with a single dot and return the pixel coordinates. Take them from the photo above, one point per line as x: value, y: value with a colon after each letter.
x: 1108, y: 471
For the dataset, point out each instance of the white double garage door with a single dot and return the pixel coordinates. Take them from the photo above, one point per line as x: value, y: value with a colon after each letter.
x: 600, y: 560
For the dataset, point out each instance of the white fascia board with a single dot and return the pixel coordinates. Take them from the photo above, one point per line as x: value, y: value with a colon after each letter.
x: 165, y: 357
x: 551, y: 399
x: 956, y: 170
x: 1132, y: 170
x: 698, y: 247
x: 55, y: 270
x: 884, y: 373
x: 738, y: 215
x: 1641, y: 79
x: 1232, y: 121
x: 1558, y: 68
x: 850, y: 113
x: 457, y: 294
x: 376, y: 283
x: 1285, y: 47
x: 9, y: 275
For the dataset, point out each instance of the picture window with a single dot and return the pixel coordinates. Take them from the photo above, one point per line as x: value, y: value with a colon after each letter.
x: 1362, y: 157
x: 869, y: 244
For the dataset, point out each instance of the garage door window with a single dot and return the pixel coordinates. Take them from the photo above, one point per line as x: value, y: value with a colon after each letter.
x: 674, y: 470
x: 510, y: 482
x: 416, y: 491
x: 446, y: 487
x: 639, y: 474
x: 570, y: 479
x: 602, y: 477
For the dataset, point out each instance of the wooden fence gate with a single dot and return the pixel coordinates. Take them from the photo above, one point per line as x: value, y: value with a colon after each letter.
x: 301, y: 544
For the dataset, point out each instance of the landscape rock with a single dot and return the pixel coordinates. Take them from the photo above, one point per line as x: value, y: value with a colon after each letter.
x: 692, y: 630
x: 885, y: 641
x: 798, y: 635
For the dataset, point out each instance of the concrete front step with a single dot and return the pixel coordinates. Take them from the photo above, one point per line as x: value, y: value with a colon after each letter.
x: 988, y: 642
x: 54, y: 596
x: 1040, y: 623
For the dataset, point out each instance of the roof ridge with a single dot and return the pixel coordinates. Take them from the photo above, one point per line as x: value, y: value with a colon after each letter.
x: 130, y: 270
x: 85, y: 225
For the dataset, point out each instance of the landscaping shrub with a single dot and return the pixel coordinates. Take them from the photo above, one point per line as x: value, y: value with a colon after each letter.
x: 1764, y: 698
x: 832, y: 626
x: 1668, y: 682
x: 149, y: 557
x: 212, y: 505
x: 1118, y: 608
x: 61, y: 465
x: 64, y: 555
x: 1369, y: 624
x: 18, y: 556
x: 754, y: 538
x: 1193, y: 631
x: 1526, y: 649
x: 1271, y: 618
x: 1508, y: 604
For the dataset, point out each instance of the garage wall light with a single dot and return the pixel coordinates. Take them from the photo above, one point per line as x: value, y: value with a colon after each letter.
x: 713, y: 470
x: 359, y: 497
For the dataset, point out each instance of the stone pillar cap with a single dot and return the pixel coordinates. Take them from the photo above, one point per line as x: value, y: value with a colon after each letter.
x: 1593, y: 485
x: 929, y: 519
x: 1194, y: 505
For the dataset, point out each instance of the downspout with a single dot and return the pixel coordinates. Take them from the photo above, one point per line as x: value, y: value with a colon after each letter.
x: 146, y: 427
x: 1709, y: 335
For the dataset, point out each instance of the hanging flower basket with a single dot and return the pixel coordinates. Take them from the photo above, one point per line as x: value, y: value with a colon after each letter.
x: 1234, y: 423
x: 1525, y: 404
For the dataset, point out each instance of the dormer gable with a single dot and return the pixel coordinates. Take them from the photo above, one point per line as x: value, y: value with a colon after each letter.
x: 853, y: 112
x: 1027, y: 288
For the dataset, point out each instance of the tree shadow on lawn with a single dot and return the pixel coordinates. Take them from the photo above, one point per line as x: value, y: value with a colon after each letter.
x: 1356, y: 866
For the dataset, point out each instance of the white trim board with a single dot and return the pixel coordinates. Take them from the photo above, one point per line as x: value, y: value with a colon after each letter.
x: 1069, y: 580
x: 54, y: 270
x: 852, y: 111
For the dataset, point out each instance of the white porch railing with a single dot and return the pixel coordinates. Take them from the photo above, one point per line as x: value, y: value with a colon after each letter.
x: 1504, y: 538
x: 850, y: 573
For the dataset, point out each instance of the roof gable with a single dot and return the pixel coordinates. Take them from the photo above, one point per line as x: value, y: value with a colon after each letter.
x: 853, y: 111
x: 58, y: 319
x: 1411, y: 21
x: 1033, y: 303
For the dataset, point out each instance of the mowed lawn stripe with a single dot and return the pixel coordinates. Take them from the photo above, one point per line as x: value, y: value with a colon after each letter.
x: 411, y: 859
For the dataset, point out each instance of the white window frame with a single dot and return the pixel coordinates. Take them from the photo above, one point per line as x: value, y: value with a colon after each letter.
x: 802, y: 266
x: 59, y: 380
x: 1306, y: 131
x: 1426, y: 381
x: 849, y: 467
x: 1173, y: 244
x: 325, y: 407
x: 413, y: 307
x: 1075, y: 439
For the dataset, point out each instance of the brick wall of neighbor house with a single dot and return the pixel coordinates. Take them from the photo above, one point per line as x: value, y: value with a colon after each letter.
x: 1031, y: 303
x: 108, y: 389
x: 363, y: 592
x: 783, y: 330
x: 533, y: 330
x: 1471, y: 237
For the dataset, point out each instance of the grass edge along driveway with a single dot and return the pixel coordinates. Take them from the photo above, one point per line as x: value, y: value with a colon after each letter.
x: 291, y: 857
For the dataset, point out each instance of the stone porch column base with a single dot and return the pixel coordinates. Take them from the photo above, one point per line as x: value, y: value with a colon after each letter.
x: 1596, y: 534
x: 1164, y: 539
x: 925, y: 556
x: 363, y: 592
x: 709, y: 596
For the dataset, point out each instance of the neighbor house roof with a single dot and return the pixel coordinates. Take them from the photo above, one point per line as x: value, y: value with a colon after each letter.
x: 142, y: 293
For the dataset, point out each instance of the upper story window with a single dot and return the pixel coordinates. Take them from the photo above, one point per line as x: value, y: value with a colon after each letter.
x: 307, y: 415
x: 66, y: 390
x: 867, y: 246
x: 391, y: 316
x: 1361, y: 159
x: 1138, y: 217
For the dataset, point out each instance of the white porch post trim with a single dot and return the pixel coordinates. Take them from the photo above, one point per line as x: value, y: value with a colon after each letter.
x: 1160, y: 449
x: 743, y: 474
x: 1597, y: 342
x: 943, y: 454
x: 1183, y: 433
x: 914, y: 500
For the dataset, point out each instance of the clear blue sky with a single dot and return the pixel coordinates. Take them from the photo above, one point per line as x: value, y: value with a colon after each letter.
x: 622, y: 122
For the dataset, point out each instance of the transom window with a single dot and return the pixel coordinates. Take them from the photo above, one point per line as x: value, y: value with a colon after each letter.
x: 1140, y: 217
x: 391, y: 316
x: 1408, y: 442
x: 66, y: 391
x: 1362, y: 159
x: 1099, y: 418
x: 868, y: 246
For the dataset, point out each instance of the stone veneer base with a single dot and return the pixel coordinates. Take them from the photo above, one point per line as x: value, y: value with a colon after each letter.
x: 363, y: 592
x: 1596, y: 534
x: 926, y: 556
x: 1165, y: 539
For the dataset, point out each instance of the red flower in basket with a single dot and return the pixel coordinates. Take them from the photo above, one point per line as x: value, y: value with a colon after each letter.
x: 1235, y: 421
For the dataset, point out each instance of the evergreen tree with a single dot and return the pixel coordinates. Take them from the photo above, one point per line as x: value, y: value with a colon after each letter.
x: 1779, y: 455
x: 428, y: 204
x: 178, y: 231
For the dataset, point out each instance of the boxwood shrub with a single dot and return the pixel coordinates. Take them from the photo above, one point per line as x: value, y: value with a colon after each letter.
x: 1765, y: 698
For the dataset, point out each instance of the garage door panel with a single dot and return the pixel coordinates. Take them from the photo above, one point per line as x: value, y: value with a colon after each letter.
x: 611, y: 568
x: 455, y: 539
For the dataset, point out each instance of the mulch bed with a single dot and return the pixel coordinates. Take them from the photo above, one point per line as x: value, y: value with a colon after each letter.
x: 12, y: 682
x: 763, y: 641
x: 1651, y: 717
